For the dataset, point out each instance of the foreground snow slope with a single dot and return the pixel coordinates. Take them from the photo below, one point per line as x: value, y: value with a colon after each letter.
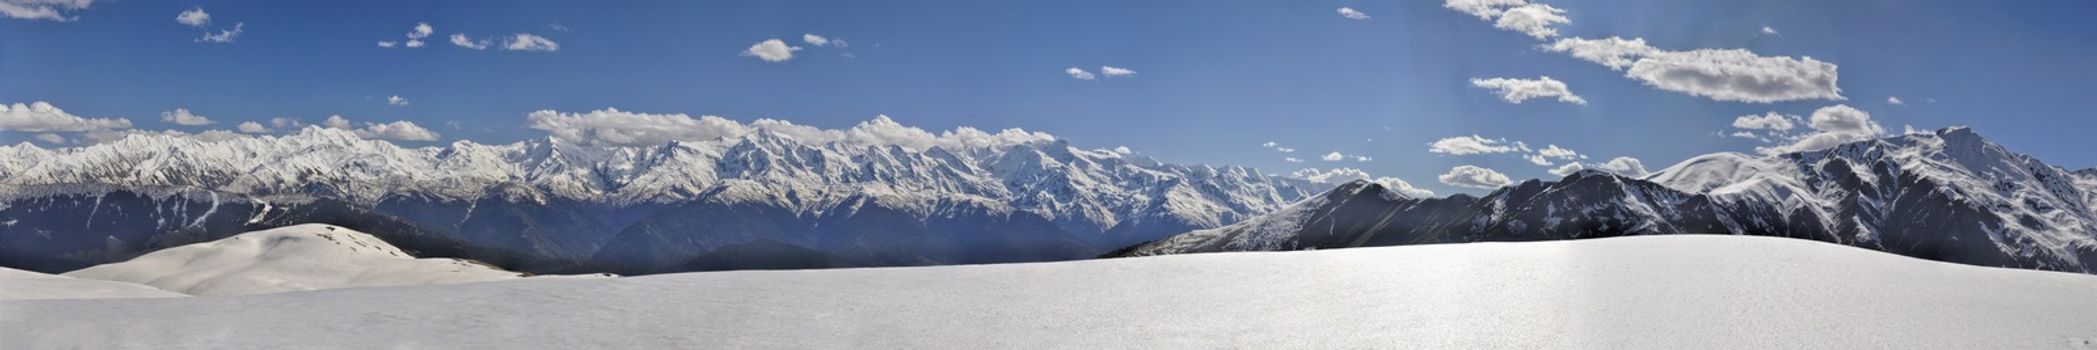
x: 1685, y: 291
x: 22, y: 285
x: 290, y: 258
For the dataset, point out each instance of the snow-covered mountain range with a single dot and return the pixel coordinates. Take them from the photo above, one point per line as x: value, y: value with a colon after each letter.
x: 765, y: 198
x: 1949, y: 195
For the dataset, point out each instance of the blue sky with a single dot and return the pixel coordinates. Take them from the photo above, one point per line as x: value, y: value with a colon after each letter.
x: 1214, y: 79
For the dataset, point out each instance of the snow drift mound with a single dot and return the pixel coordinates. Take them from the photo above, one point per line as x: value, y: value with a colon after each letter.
x: 291, y: 258
x: 25, y: 285
x: 1665, y: 292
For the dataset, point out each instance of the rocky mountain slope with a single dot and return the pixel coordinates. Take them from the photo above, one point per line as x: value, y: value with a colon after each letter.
x: 548, y: 205
x: 1949, y: 195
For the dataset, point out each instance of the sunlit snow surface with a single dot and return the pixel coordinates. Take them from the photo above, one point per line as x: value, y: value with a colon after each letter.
x: 292, y: 258
x: 26, y: 285
x: 1684, y: 291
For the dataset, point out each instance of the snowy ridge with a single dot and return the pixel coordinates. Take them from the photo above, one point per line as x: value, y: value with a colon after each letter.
x: 1076, y: 188
x: 292, y: 258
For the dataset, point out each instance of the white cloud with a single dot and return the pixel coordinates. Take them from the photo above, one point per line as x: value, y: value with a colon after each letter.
x: 1115, y: 72
x: 615, y: 127
x: 42, y: 117
x: 1340, y: 175
x: 1613, y: 52
x: 398, y: 131
x: 1270, y: 144
x: 396, y: 100
x: 336, y: 122
x: 1723, y: 75
x: 1738, y: 75
x: 51, y: 10
x: 51, y: 138
x: 528, y: 42
x: 1350, y: 13
x: 461, y: 40
x: 1465, y: 145
x: 816, y: 40
x: 1292, y: 159
x: 414, y: 37
x: 1078, y: 73
x: 1124, y: 150
x: 1769, y: 31
x: 1537, y: 159
x: 1567, y: 169
x: 1536, y: 20
x: 1363, y: 158
x: 286, y: 123
x: 1285, y: 149
x: 1554, y: 151
x: 1518, y: 90
x: 195, y: 17
x: 182, y: 116
x: 1333, y: 157
x: 771, y: 50
x: 251, y: 128
x: 1767, y: 121
x: 224, y: 36
x: 1625, y: 166
x: 1474, y: 177
x: 1484, y: 9
x: 1832, y: 125
x: 1894, y: 101
x: 421, y: 30
x: 1543, y: 157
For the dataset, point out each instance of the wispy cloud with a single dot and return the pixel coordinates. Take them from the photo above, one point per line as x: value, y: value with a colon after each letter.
x: 1724, y: 75
x: 224, y: 36
x: 195, y: 17
x: 49, y: 10
x: 1115, y: 72
x: 1518, y: 90
x: 1351, y: 13
x: 529, y: 42
x: 182, y: 116
x: 1079, y: 73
